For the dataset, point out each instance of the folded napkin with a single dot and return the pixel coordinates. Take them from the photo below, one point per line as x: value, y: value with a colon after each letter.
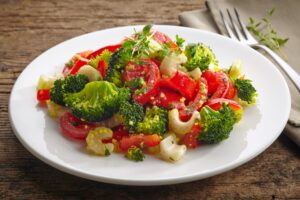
x: 286, y: 21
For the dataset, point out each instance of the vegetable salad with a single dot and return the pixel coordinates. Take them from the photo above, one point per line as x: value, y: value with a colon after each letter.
x: 147, y: 95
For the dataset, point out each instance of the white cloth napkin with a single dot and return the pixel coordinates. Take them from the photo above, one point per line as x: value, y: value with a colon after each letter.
x: 286, y: 21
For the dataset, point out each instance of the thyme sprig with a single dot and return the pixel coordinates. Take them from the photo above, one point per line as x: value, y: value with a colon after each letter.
x: 266, y: 34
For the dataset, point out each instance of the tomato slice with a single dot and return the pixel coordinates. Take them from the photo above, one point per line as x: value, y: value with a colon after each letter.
x: 216, y: 104
x: 111, y: 48
x: 120, y: 132
x: 182, y: 83
x: 79, y: 63
x: 190, y: 139
x: 139, y: 140
x: 150, y: 72
x: 163, y: 39
x: 166, y: 98
x: 43, y: 95
x: 73, y: 127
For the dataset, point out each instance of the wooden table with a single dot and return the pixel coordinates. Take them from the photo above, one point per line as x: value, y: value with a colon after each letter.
x: 27, y: 28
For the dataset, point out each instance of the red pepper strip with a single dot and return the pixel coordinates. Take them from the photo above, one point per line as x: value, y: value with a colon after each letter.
x: 166, y: 98
x: 182, y: 83
x: 111, y: 48
x: 216, y: 104
x: 79, y: 63
x: 186, y: 112
x: 102, y: 68
x: 139, y: 140
x: 43, y: 95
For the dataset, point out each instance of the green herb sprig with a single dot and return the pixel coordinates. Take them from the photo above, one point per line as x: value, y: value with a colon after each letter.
x: 265, y: 33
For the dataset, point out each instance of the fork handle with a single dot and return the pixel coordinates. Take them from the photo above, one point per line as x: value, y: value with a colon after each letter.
x: 290, y: 72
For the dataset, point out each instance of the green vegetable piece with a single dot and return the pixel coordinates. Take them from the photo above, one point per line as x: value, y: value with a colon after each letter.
x: 71, y: 84
x: 200, y: 56
x: 136, y: 83
x: 135, y: 154
x: 264, y: 31
x: 179, y: 41
x: 98, y: 100
x: 115, y: 65
x: 155, y: 121
x: 132, y: 113
x: 216, y: 125
x: 245, y: 90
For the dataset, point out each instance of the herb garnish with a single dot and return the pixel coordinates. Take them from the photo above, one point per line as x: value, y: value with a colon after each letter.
x: 266, y: 34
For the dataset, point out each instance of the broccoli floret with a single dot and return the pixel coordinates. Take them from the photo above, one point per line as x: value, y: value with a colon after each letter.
x: 132, y: 113
x: 98, y: 100
x: 135, y: 83
x: 115, y: 65
x: 245, y: 90
x: 136, y: 154
x: 155, y: 121
x: 199, y: 56
x: 71, y: 84
x: 216, y: 125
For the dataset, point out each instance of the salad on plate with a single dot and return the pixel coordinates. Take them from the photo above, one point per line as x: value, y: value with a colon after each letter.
x: 147, y: 95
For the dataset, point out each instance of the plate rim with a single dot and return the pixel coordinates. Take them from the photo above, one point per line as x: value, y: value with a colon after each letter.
x: 165, y: 181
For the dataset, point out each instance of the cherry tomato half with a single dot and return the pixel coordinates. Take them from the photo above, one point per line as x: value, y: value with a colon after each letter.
x: 72, y: 127
x: 150, y: 72
x: 43, y: 95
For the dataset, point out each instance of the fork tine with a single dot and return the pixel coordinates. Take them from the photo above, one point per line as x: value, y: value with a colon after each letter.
x: 235, y: 28
x: 244, y: 29
x: 228, y: 29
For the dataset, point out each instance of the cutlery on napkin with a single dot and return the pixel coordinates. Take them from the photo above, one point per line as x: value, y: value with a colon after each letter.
x: 285, y: 20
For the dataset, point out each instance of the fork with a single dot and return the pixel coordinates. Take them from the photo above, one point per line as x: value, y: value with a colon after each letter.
x: 242, y: 35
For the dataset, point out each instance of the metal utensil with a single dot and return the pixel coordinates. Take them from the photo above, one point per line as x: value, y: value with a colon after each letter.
x: 241, y: 34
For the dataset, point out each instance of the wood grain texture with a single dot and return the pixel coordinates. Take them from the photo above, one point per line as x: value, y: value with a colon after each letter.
x: 27, y: 28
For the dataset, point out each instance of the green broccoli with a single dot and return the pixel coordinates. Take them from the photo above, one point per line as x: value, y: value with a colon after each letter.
x: 115, y: 65
x: 199, y: 56
x: 216, y: 125
x: 98, y: 100
x: 155, y: 121
x: 245, y: 90
x: 136, y: 154
x: 71, y: 84
x: 132, y: 113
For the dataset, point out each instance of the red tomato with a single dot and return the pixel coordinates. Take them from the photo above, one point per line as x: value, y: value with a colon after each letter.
x: 72, y: 127
x: 111, y: 48
x: 216, y: 104
x: 163, y: 39
x: 149, y: 70
x: 166, y: 98
x: 43, y: 95
x: 102, y: 66
x: 139, y: 140
x: 182, y: 83
x: 78, y: 64
x: 190, y: 139
x: 120, y: 132
x: 186, y: 112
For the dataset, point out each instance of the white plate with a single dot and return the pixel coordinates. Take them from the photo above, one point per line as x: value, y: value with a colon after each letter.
x: 260, y: 126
